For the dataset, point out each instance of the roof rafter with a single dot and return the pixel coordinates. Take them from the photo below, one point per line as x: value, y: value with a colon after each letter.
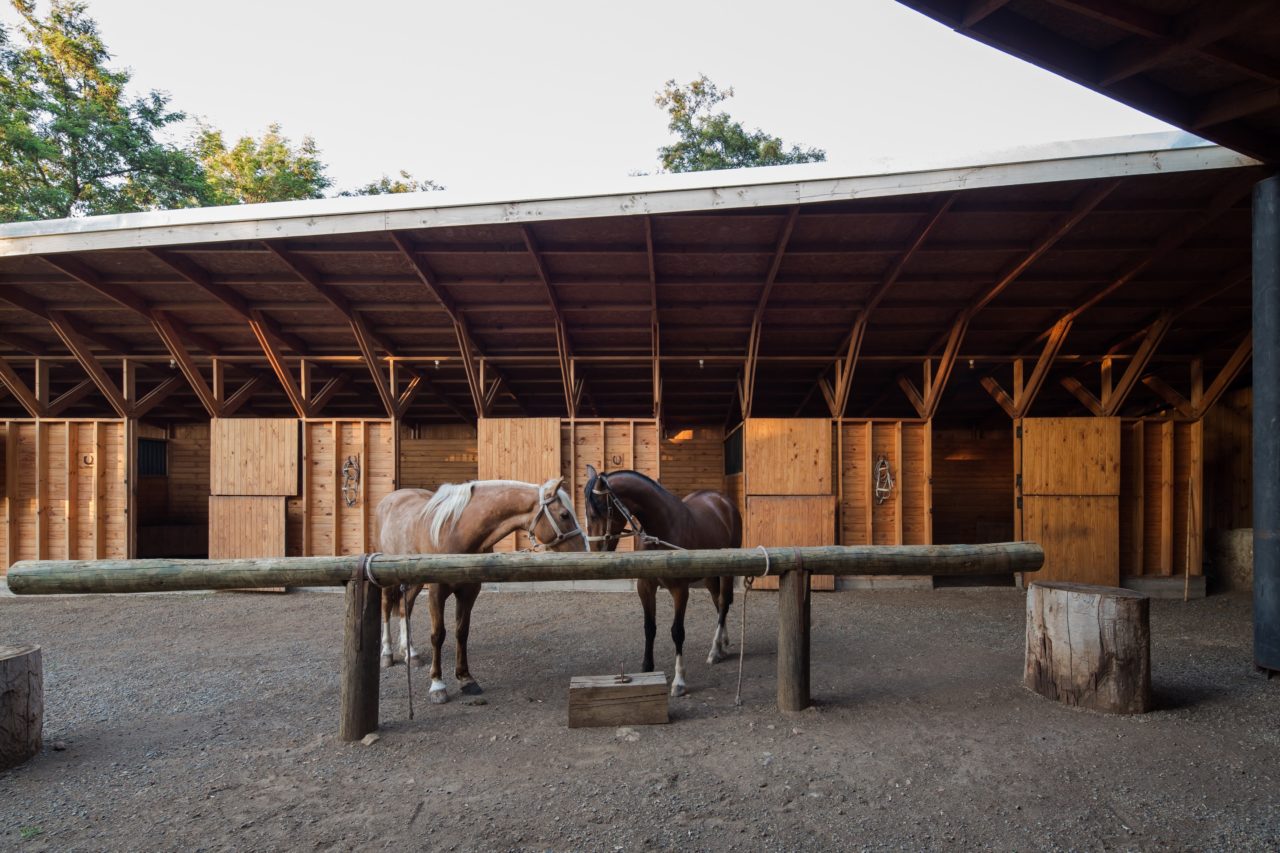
x: 574, y: 388
x: 747, y: 384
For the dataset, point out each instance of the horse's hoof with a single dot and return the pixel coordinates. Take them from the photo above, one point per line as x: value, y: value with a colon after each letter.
x: 713, y: 659
x: 386, y: 662
x: 438, y: 697
x: 471, y: 688
x: 678, y: 690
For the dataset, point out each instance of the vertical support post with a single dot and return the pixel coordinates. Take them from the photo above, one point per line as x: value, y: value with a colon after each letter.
x: 359, y: 690
x: 1266, y: 424
x: 793, y: 641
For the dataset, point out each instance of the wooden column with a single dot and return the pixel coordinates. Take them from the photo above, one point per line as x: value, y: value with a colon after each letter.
x: 21, y: 704
x: 359, y: 691
x: 793, y: 641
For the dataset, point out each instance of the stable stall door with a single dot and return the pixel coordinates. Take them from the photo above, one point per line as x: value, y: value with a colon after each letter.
x: 1069, y: 496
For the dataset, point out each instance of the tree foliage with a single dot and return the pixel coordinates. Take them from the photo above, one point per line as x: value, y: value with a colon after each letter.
x: 71, y: 141
x: 707, y: 139
x: 405, y: 183
x: 259, y: 170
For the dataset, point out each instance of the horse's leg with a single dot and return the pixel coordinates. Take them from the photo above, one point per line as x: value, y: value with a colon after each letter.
x: 466, y: 599
x: 436, y: 596
x: 720, y: 640
x: 648, y: 592
x: 406, y: 612
x: 725, y: 602
x: 679, y: 600
x: 385, y: 659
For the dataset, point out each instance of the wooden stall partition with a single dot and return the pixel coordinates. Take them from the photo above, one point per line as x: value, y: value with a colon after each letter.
x: 1070, y: 496
x: 65, y: 496
x: 609, y: 445
x: 254, y: 456
x: 1162, y: 498
x: 1228, y: 462
x: 780, y: 521
x: 438, y: 453
x: 189, y: 459
x: 902, y: 515
x: 246, y: 526
x: 693, y: 459
x: 787, y: 456
x: 348, y: 466
x: 735, y: 489
x: 527, y: 449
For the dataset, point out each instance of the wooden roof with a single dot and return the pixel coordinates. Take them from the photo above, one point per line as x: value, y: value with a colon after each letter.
x: 541, y: 291
x: 1212, y: 68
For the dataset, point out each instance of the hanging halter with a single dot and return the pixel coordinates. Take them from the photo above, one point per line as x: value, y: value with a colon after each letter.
x: 544, y: 508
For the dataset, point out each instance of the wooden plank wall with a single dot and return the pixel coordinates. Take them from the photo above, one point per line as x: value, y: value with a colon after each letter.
x: 64, y: 490
x: 319, y: 521
x: 609, y: 446
x: 905, y: 517
x: 788, y: 456
x: 693, y: 459
x: 781, y: 521
x: 246, y: 526
x: 525, y: 449
x: 189, y: 455
x: 436, y: 454
x: 1071, y: 492
x: 972, y: 486
x: 254, y: 456
x: 1228, y: 462
x: 1161, y: 489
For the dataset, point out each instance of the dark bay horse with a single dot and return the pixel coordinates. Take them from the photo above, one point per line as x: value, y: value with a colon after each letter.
x: 464, y: 518
x: 623, y: 503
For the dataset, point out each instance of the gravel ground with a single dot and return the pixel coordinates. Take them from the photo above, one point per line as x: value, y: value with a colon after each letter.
x: 209, y: 722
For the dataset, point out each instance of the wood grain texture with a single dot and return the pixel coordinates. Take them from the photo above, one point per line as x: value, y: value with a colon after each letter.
x: 246, y: 527
x: 788, y: 456
x: 601, y: 700
x: 693, y: 459
x: 1089, y: 646
x: 438, y: 454
x: 358, y: 693
x: 254, y: 456
x: 21, y: 704
x: 1080, y: 536
x: 780, y: 521
x: 1071, y: 456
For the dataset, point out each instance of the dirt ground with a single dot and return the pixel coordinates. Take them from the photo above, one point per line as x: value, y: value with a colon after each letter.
x: 208, y: 722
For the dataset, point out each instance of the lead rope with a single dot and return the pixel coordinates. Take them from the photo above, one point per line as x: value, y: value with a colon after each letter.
x: 742, y: 632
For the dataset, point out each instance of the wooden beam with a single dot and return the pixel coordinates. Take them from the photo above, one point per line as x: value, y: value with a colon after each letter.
x: 80, y: 348
x: 24, y: 395
x: 1239, y: 358
x: 1113, y: 400
x: 757, y: 319
x: 564, y: 350
x: 156, y: 396
x: 365, y: 343
x: 1084, y: 395
x: 655, y: 336
x: 977, y: 10
x: 326, y: 393
x: 1057, y: 337
x: 913, y: 394
x: 1170, y: 396
x: 168, y: 333
x: 278, y: 366
x: 1200, y: 27
x: 69, y: 398
x: 999, y: 395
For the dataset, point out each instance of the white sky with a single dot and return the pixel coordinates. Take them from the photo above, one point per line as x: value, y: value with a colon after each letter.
x: 485, y: 96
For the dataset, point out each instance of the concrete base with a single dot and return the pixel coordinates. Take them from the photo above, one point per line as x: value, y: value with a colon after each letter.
x: 1165, y: 587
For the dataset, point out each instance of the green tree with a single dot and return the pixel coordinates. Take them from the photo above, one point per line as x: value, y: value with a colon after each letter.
x: 406, y: 183
x: 71, y: 141
x: 707, y: 139
x: 256, y: 170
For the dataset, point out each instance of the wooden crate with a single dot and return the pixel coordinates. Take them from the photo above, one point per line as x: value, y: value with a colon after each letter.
x: 65, y: 494
x: 601, y: 700
x: 781, y: 521
x: 254, y: 456
x: 787, y: 456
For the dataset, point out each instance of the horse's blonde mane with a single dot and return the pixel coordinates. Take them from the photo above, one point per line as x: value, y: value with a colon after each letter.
x: 445, y: 508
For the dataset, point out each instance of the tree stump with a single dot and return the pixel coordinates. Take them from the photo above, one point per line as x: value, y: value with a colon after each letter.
x: 1089, y: 646
x: 21, y: 704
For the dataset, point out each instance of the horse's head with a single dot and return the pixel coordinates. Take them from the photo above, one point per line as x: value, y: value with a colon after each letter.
x: 604, y: 518
x: 555, y: 526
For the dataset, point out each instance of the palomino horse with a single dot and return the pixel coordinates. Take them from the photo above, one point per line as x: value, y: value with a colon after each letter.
x: 627, y: 503
x: 464, y: 518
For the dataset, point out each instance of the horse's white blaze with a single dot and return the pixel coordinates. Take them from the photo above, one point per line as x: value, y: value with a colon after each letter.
x: 677, y: 683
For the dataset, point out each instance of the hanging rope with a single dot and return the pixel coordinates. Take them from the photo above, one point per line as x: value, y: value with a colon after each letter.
x: 884, y: 480
x: 742, y: 631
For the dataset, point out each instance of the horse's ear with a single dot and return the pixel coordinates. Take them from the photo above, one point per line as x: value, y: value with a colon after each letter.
x: 552, y: 486
x: 591, y: 472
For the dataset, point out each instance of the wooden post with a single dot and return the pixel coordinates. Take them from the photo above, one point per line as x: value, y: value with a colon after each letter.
x: 359, y: 691
x: 793, y: 641
x: 21, y: 704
